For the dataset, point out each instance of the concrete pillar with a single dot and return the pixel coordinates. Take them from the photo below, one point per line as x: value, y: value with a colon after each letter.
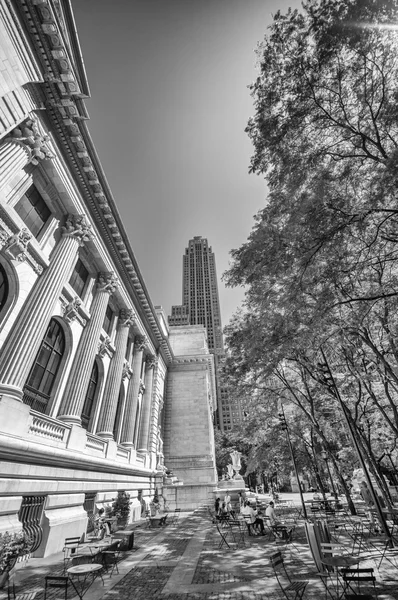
x: 75, y: 393
x: 114, y: 380
x: 127, y: 438
x: 21, y: 347
x: 143, y: 444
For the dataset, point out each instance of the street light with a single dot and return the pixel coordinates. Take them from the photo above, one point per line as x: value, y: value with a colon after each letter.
x: 282, y: 420
x: 325, y: 458
x: 329, y: 381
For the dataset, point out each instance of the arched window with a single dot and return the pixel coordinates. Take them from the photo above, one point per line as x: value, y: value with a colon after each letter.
x: 90, y: 396
x: 3, y: 288
x: 39, y: 385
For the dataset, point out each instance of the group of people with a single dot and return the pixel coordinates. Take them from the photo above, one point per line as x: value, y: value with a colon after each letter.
x: 224, y: 509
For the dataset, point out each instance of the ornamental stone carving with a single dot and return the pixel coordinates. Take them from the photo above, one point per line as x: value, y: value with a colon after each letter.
x: 29, y: 137
x: 107, y: 282
x: 71, y: 310
x: 140, y: 341
x: 141, y: 389
x: 104, y: 346
x: 78, y: 227
x: 15, y: 245
x: 126, y: 317
x: 127, y: 371
x: 150, y: 361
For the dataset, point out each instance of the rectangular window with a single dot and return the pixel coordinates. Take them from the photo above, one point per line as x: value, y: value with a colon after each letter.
x: 108, y: 320
x: 33, y: 210
x: 79, y: 278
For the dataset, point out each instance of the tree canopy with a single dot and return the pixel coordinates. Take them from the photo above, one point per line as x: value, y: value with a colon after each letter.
x: 320, y: 265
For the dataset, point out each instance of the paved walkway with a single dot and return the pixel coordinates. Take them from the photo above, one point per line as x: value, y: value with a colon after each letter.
x: 184, y: 562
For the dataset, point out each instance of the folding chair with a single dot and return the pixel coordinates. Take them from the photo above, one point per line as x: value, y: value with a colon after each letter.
x: 224, y: 533
x: 60, y: 583
x: 353, y: 578
x: 292, y: 590
x: 13, y: 595
x: 110, y: 558
x: 70, y: 548
x: 175, y: 516
x: 237, y: 532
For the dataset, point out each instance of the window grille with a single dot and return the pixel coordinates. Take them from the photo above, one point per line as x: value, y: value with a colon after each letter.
x: 30, y: 515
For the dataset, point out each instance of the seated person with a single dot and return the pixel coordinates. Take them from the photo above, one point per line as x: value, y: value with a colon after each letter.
x: 279, y: 529
x: 101, y: 528
x: 254, y: 518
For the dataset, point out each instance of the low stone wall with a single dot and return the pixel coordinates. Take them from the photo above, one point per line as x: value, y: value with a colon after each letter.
x: 188, y: 497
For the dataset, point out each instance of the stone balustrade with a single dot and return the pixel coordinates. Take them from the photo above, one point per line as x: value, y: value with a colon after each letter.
x: 94, y: 442
x: 49, y: 428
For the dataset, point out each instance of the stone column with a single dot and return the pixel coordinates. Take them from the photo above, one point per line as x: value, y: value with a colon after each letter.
x: 13, y: 158
x: 143, y: 443
x: 21, y: 347
x: 127, y: 438
x: 114, y: 379
x: 75, y: 393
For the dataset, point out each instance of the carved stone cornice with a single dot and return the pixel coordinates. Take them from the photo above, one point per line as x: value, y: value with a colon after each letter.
x: 107, y: 282
x: 62, y: 95
x: 140, y: 341
x: 126, y: 317
x: 34, y: 142
x: 78, y: 227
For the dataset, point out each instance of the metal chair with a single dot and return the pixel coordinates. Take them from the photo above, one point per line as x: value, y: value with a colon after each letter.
x: 237, y: 532
x: 224, y: 533
x: 252, y: 528
x: 60, y: 583
x: 70, y: 548
x: 353, y: 578
x: 110, y: 557
x: 175, y: 516
x: 292, y: 590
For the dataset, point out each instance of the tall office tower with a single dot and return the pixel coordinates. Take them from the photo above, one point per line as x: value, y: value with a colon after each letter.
x: 200, y: 291
x: 201, y: 304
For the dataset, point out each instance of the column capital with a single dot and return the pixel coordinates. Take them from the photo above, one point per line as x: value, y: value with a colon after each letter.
x: 34, y: 141
x: 140, y: 341
x: 78, y: 227
x: 150, y: 361
x: 126, y: 317
x: 107, y: 282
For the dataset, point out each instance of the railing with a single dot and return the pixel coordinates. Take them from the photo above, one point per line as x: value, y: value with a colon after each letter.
x: 51, y: 429
x: 95, y: 443
x: 37, y: 402
x: 123, y: 453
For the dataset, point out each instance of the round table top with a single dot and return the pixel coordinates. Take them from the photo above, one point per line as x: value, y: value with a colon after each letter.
x: 83, y: 569
x: 340, y: 561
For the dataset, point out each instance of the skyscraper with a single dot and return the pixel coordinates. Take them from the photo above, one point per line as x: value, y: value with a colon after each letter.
x: 200, y: 301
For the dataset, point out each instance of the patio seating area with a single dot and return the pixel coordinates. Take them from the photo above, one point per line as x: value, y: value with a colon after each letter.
x: 199, y: 559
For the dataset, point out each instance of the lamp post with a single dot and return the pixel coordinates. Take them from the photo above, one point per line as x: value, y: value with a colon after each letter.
x: 329, y: 381
x: 282, y: 420
x: 325, y: 458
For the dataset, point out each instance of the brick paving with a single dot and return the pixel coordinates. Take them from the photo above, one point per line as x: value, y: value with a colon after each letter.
x: 184, y: 562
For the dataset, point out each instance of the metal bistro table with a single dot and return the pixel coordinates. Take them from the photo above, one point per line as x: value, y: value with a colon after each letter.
x: 86, y: 575
x: 339, y: 562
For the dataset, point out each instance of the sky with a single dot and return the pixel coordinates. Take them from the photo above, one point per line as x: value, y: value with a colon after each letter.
x: 168, y: 109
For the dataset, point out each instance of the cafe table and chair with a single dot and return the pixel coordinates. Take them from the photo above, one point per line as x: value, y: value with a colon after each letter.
x: 335, y: 557
x: 83, y: 576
